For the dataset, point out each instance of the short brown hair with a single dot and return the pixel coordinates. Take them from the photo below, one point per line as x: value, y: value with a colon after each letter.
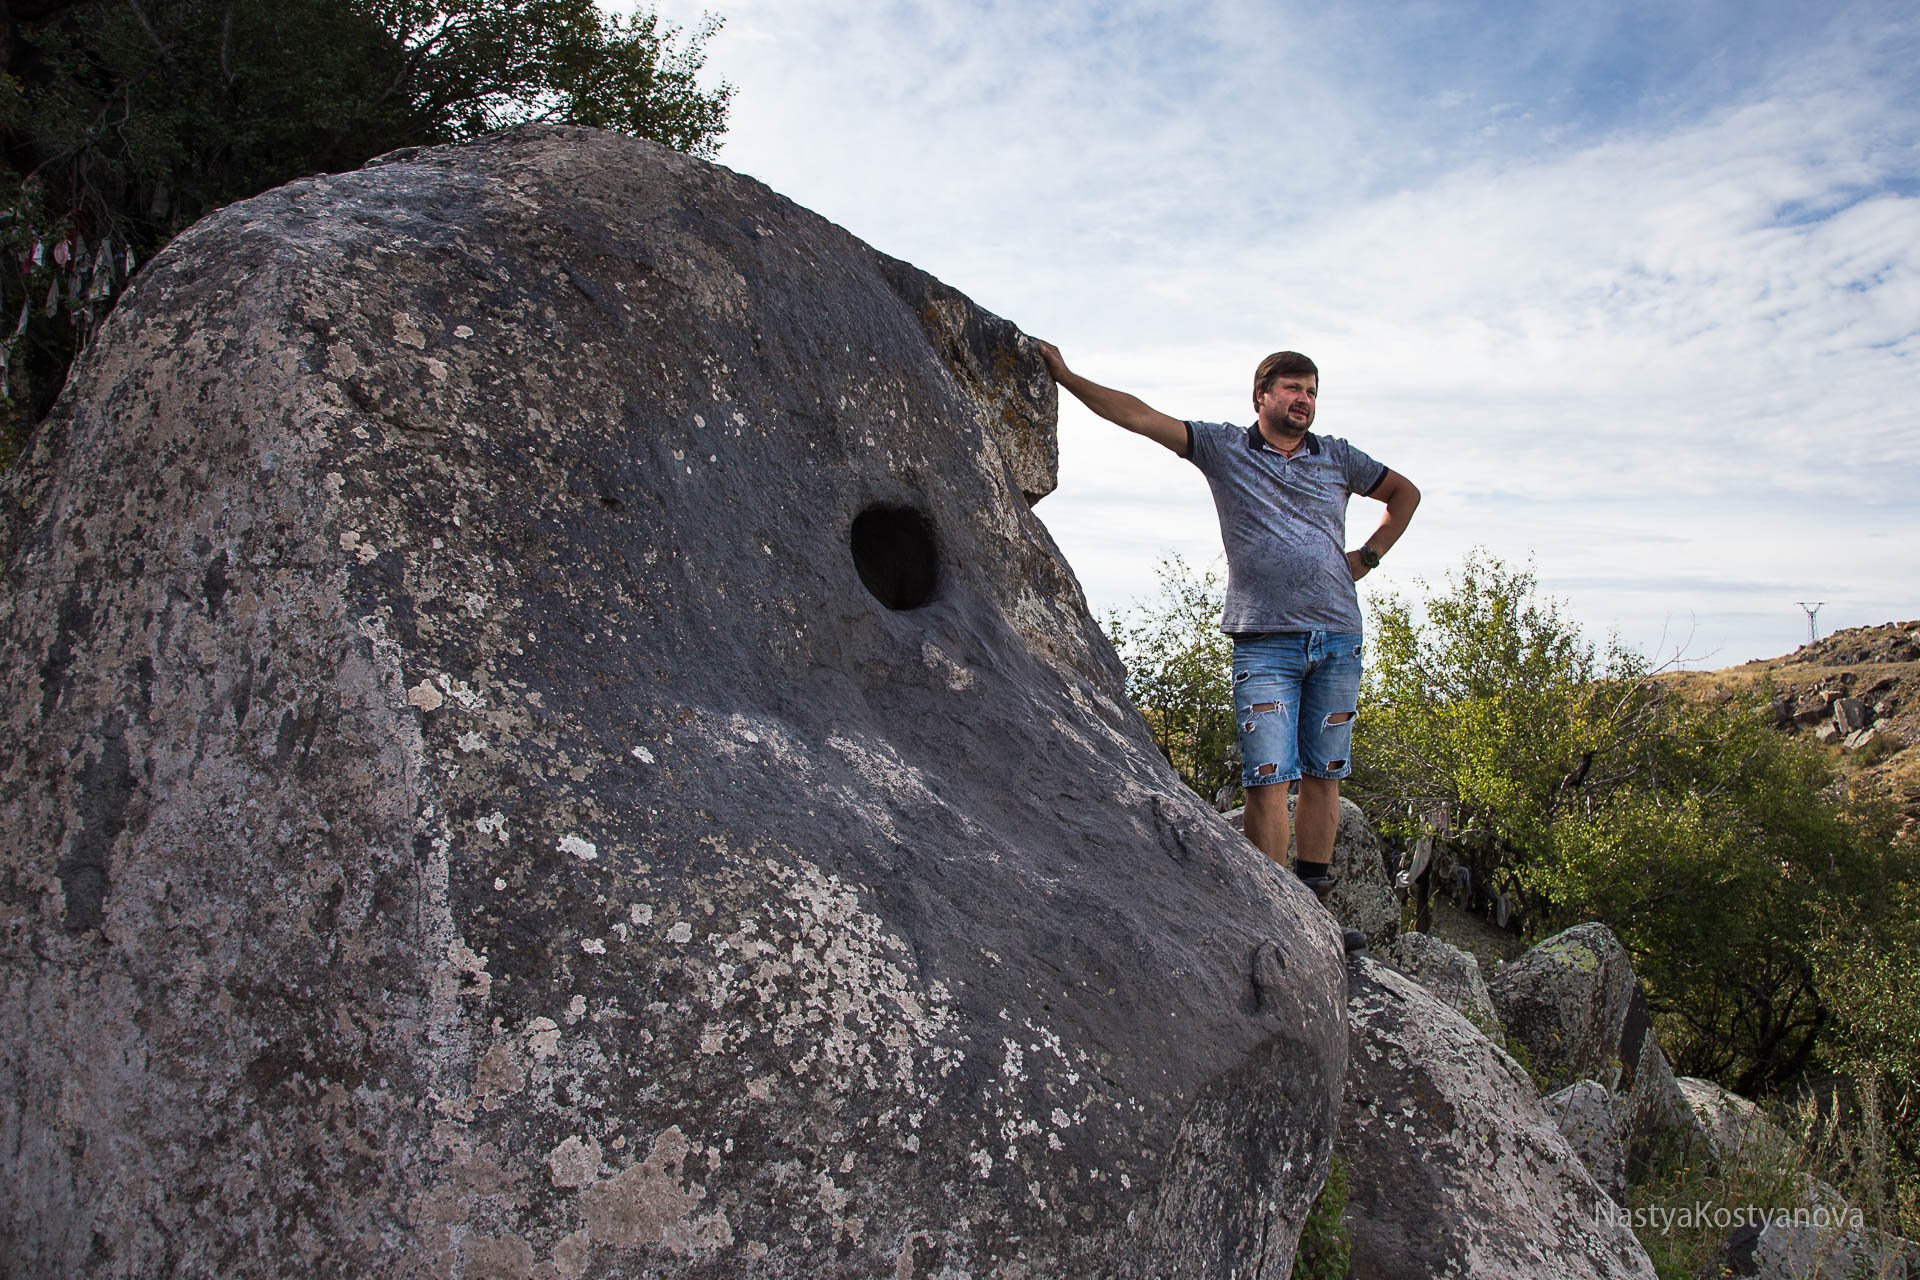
x: 1282, y: 364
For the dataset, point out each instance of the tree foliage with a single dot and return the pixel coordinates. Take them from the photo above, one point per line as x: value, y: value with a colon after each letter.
x: 1568, y: 778
x: 1179, y: 674
x: 122, y: 121
x: 1869, y: 972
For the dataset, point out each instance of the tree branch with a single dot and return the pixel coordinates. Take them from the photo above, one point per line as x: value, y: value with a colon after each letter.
x: 226, y: 47
x: 159, y: 45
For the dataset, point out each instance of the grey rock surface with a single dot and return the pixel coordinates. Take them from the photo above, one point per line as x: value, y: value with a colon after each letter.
x: 1585, y: 1115
x: 1816, y: 1250
x: 1445, y: 970
x: 1869, y: 745
x: 544, y: 740
x: 1817, y: 705
x: 1575, y: 1004
x: 1363, y: 896
x: 1456, y: 1169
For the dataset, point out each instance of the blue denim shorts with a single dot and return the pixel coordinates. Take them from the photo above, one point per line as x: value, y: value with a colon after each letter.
x: 1295, y: 694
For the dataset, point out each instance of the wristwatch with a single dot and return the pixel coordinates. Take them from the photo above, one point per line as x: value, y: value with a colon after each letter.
x: 1368, y: 556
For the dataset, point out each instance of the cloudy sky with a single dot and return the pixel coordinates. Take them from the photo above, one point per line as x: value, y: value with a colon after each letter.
x: 1631, y: 290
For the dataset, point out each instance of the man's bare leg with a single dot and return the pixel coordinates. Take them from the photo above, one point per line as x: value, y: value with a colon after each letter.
x: 1315, y: 824
x: 1316, y: 821
x: 1267, y: 823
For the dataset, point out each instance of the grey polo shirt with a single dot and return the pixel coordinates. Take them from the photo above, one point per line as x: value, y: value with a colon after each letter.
x: 1284, y: 523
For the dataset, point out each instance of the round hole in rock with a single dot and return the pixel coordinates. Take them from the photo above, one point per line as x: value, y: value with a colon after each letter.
x: 893, y: 549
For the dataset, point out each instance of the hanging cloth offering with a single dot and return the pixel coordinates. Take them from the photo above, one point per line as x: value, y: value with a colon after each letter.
x: 102, y: 286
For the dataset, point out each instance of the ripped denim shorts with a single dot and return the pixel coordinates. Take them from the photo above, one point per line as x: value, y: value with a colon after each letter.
x: 1295, y: 694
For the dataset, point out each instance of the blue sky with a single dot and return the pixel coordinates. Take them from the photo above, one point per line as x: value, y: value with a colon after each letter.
x: 1630, y: 291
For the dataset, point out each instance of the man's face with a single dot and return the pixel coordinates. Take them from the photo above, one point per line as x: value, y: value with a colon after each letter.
x: 1287, y: 405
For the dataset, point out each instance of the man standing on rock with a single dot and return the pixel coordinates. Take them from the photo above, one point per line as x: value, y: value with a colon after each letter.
x: 1281, y: 492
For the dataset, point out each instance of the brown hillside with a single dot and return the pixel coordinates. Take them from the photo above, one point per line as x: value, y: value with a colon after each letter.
x: 1857, y: 692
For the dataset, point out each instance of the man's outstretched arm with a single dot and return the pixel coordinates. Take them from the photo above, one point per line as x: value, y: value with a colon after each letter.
x: 1131, y: 412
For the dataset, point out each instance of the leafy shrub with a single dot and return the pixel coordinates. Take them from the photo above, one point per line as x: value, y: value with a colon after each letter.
x: 1179, y: 674
x: 1576, y: 784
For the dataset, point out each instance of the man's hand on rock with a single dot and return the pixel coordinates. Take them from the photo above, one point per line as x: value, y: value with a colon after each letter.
x: 1055, y: 365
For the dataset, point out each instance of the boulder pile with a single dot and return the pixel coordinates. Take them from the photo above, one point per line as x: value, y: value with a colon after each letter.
x: 1456, y: 1168
x: 1574, y: 1002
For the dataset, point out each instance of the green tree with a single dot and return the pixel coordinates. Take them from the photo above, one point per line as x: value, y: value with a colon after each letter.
x: 1180, y: 674
x: 1485, y: 700
x: 122, y: 121
x: 1869, y: 976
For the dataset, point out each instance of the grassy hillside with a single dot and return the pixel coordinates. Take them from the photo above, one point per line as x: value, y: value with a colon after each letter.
x: 1878, y: 667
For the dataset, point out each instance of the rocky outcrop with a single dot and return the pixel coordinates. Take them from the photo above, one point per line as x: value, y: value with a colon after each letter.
x: 1575, y: 1004
x: 1455, y: 1168
x: 543, y: 739
x: 1853, y: 690
x: 1447, y: 971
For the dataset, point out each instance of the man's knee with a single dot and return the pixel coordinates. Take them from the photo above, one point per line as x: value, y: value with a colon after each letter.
x: 1266, y: 794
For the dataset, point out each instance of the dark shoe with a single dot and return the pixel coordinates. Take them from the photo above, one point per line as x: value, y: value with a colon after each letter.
x: 1354, y: 941
x: 1321, y: 885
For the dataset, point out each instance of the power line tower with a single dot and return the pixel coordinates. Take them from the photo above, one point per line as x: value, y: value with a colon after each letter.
x: 1810, y: 610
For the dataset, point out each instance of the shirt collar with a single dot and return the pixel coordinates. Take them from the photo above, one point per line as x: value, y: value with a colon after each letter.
x: 1256, y: 442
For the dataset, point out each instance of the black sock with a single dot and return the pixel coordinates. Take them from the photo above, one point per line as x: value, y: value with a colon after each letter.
x: 1310, y: 870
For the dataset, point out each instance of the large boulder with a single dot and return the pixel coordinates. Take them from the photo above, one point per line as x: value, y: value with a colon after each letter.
x: 1576, y: 1005
x: 543, y: 739
x: 1456, y: 1170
